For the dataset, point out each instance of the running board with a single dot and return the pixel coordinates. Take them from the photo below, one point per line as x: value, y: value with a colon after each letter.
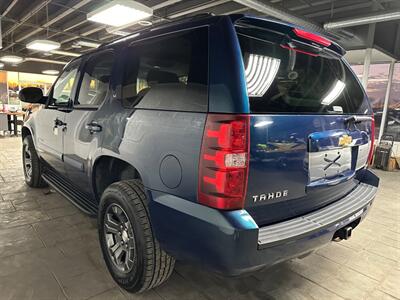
x: 77, y: 198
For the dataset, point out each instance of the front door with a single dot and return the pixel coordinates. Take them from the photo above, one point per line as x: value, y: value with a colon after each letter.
x: 85, y: 122
x: 51, y: 123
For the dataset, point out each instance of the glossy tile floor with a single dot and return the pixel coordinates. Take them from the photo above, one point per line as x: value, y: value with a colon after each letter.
x: 49, y: 250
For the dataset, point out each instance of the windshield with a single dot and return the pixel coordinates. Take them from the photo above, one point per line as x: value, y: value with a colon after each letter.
x: 282, y: 78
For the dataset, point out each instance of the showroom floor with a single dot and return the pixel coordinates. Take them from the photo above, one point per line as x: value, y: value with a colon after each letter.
x: 49, y: 250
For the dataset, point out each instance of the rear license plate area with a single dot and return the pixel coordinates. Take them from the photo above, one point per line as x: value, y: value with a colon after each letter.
x: 328, y: 163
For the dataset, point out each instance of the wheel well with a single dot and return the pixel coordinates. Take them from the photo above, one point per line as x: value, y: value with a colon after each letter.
x: 25, y: 132
x: 108, y: 170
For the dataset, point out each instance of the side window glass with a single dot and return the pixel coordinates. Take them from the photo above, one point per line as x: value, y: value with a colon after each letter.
x: 96, y: 79
x: 169, y: 72
x: 63, y: 87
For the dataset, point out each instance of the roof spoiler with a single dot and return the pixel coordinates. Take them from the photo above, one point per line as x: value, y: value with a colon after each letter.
x: 291, y: 30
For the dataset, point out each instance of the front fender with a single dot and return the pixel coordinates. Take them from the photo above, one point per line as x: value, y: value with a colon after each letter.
x: 29, y: 129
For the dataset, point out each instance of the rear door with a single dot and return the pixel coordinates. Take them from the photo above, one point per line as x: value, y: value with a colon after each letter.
x: 85, y: 124
x: 310, y: 125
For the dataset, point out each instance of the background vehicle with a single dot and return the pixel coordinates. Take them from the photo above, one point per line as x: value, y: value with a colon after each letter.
x: 230, y: 141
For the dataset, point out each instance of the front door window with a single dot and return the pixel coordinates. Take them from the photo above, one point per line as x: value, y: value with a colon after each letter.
x: 62, y: 91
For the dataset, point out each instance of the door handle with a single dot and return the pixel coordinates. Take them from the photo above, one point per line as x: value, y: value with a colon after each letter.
x: 58, y: 122
x: 93, y: 127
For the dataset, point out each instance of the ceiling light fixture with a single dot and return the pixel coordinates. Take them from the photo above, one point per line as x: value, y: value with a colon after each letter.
x: 50, y: 72
x: 145, y: 23
x: 121, y: 33
x: 66, y: 53
x: 43, y: 60
x: 117, y: 32
x: 43, y: 45
x: 88, y: 44
x: 120, y: 12
x: 12, y: 59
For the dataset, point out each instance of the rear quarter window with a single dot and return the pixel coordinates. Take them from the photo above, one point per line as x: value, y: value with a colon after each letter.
x: 168, y: 72
x: 282, y: 80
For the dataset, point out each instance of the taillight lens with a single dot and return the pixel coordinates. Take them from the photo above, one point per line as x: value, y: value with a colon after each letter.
x: 312, y: 37
x: 224, y: 161
x: 371, y: 150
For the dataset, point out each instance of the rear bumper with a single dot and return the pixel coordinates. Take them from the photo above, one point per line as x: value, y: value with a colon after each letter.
x: 230, y: 242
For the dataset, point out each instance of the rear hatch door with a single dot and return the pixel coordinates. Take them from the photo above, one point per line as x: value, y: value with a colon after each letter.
x: 310, y: 126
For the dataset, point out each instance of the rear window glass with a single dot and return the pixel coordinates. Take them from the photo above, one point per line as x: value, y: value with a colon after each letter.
x: 280, y: 79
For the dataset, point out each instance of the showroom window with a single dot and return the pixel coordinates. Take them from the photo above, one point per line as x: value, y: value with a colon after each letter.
x: 12, y: 82
x: 96, y: 79
x: 168, y: 72
x: 392, y: 126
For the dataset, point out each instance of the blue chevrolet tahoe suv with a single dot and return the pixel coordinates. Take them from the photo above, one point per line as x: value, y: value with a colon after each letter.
x: 233, y: 142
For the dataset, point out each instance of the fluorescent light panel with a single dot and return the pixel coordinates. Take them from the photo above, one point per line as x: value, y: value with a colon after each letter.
x: 88, y: 44
x: 120, y: 32
x: 334, y: 93
x: 44, y: 60
x: 66, y: 53
x: 145, y: 23
x: 12, y: 59
x: 260, y: 73
x: 43, y: 45
x: 120, y: 12
x: 50, y: 72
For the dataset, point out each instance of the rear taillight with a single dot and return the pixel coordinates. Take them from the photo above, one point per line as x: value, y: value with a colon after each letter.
x: 371, y: 150
x: 224, y: 161
x: 312, y: 37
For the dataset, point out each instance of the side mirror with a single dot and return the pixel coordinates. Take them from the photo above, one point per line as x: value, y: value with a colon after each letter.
x: 32, y: 95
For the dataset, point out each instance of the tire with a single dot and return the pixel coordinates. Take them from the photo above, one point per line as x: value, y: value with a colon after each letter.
x: 31, y: 164
x: 126, y: 201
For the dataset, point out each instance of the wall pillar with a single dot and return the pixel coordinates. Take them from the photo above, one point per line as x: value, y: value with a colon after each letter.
x: 369, y: 43
x: 386, y: 103
x: 367, y: 63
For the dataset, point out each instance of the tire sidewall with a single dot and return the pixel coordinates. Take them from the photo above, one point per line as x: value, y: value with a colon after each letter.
x: 133, y: 280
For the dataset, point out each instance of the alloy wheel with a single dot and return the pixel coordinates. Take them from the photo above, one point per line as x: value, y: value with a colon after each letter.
x: 119, y: 238
x: 27, y: 162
